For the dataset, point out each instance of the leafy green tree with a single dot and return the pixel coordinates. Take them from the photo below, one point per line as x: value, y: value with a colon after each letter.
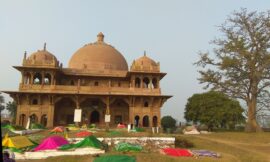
x: 168, y: 122
x: 12, y: 108
x: 2, y: 101
x: 213, y: 109
x: 240, y: 67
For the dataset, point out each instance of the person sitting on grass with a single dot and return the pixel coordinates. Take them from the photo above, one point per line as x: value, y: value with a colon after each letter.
x: 6, y: 157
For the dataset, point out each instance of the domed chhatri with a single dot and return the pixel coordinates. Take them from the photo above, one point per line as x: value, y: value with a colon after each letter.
x: 98, y: 56
x: 41, y: 58
x: 97, y: 87
x: 145, y: 63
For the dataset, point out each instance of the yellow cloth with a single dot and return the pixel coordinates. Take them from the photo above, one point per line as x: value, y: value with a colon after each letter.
x: 17, y: 142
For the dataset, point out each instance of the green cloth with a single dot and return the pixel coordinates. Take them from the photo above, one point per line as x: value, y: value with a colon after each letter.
x: 114, y: 133
x: 5, y: 131
x: 115, y: 158
x: 90, y: 141
x: 36, y: 126
x: 128, y: 147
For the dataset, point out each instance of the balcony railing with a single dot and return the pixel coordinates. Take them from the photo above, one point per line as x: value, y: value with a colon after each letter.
x: 88, y: 89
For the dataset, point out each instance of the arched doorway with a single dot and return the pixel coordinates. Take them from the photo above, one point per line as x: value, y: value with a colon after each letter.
x: 146, y: 121
x: 136, y: 121
x: 155, y: 120
x: 43, y: 120
x: 64, y: 112
x: 93, y: 110
x: 33, y: 118
x: 119, y: 110
x: 94, y: 118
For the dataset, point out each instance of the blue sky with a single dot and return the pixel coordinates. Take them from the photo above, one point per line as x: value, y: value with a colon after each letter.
x: 172, y: 32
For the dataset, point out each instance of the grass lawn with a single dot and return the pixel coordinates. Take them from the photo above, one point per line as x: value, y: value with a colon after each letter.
x: 233, y: 147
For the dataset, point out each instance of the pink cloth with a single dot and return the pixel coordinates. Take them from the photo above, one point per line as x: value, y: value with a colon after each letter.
x: 51, y: 143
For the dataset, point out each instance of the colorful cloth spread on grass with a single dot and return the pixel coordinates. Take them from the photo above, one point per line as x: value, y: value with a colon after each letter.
x: 128, y: 147
x: 121, y: 126
x: 16, y: 142
x: 115, y: 158
x: 176, y: 152
x: 51, y: 143
x: 83, y: 134
x: 59, y: 129
x: 36, y: 126
x: 90, y: 141
x: 205, y: 153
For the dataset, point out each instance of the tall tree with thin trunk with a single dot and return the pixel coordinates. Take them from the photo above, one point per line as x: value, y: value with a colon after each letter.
x: 241, y: 66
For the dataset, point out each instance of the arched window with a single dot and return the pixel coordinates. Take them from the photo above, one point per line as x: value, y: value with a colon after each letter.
x: 47, y: 79
x: 34, y: 101
x: 137, y: 83
x: 145, y: 121
x: 145, y: 104
x: 146, y: 82
x: 43, y: 120
x: 37, y: 78
x: 154, y: 82
x: 96, y: 84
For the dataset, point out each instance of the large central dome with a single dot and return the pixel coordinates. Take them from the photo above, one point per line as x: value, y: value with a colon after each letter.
x: 98, y: 56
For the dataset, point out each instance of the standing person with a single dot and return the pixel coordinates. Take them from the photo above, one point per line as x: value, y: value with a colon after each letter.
x: 6, y: 157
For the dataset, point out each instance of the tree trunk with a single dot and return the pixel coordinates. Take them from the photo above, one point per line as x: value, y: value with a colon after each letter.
x: 252, y: 125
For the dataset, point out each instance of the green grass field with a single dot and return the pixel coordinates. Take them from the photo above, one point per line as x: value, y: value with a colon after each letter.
x: 233, y: 147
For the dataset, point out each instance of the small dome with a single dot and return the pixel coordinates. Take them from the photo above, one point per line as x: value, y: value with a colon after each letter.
x: 41, y: 58
x: 98, y: 56
x: 144, y: 63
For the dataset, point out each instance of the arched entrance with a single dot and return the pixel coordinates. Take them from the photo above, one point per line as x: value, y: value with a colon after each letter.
x: 155, y: 120
x: 94, y: 117
x: 136, y: 121
x: 33, y: 118
x: 64, y: 112
x: 119, y: 110
x: 43, y: 120
x: 93, y: 110
x: 146, y: 121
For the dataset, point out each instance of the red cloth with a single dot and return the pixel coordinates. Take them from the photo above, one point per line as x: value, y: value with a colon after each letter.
x: 83, y: 134
x: 59, y: 129
x: 121, y: 126
x: 176, y: 152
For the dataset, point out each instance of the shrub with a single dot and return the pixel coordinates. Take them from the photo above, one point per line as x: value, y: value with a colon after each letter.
x: 168, y: 122
x: 183, y: 143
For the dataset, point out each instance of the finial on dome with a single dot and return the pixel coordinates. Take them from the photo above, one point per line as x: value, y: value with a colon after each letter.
x: 44, y: 48
x: 100, y: 37
x: 25, y: 54
x: 144, y: 53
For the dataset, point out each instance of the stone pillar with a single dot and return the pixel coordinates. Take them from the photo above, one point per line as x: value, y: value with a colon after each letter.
x: 42, y: 77
x: 141, y: 78
x: 31, y: 78
x: 107, y: 112
x: 150, y: 83
x: 52, y: 79
x: 50, y: 117
x: 23, y: 79
x: 18, y: 114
